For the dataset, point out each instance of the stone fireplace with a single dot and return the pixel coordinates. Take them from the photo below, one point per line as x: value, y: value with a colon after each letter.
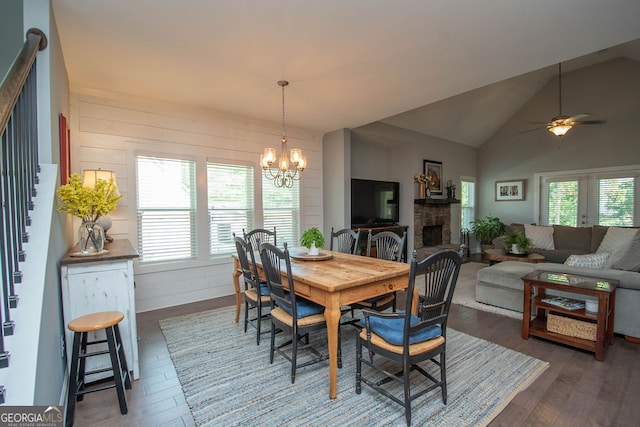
x: 432, y: 226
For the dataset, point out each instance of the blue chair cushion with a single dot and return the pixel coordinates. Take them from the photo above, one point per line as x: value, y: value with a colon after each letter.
x: 391, y: 330
x: 264, y: 289
x: 304, y: 307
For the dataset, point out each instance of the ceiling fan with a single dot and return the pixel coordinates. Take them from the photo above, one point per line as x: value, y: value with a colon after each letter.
x: 560, y: 124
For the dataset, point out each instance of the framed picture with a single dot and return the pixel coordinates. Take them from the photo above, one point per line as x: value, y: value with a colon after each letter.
x: 65, y: 150
x: 509, y: 190
x: 433, y: 171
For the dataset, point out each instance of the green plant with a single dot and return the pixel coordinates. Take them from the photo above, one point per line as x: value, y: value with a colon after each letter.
x: 522, y: 242
x: 312, y: 235
x: 88, y: 203
x: 488, y: 228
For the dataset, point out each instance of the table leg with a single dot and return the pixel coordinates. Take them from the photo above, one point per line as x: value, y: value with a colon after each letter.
x: 611, y: 314
x: 236, y: 285
x: 526, y: 309
x: 332, y: 317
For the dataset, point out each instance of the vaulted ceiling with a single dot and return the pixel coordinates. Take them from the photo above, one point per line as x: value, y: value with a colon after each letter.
x: 450, y: 68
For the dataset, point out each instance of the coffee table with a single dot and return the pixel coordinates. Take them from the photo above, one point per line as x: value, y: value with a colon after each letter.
x: 498, y: 255
x: 603, y: 290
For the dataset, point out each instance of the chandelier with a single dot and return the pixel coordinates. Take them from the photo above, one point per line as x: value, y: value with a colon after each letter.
x: 288, y: 168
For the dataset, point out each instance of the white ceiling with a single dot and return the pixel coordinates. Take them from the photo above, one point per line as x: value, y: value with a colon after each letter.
x: 350, y: 63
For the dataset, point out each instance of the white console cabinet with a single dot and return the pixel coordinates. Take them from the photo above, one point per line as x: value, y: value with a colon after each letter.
x: 102, y: 283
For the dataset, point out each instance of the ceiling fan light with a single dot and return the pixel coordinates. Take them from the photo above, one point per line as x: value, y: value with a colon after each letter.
x: 559, y: 130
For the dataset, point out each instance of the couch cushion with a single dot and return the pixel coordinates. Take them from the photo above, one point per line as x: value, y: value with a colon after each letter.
x: 506, y: 274
x: 588, y: 260
x: 597, y: 234
x: 616, y: 238
x: 542, y: 236
x: 627, y: 257
x: 558, y: 255
x: 565, y: 237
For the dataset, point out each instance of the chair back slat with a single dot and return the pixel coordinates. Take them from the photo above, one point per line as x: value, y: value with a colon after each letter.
x: 260, y: 235
x: 273, y: 260
x: 388, y: 245
x: 247, y: 260
x: 345, y: 241
x: 440, y: 274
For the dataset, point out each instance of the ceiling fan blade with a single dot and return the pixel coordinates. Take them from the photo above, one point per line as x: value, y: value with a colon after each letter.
x: 538, y: 123
x: 532, y: 130
x: 579, y: 117
x: 589, y: 122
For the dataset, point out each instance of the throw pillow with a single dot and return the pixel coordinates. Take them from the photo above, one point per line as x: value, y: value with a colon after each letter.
x: 627, y: 258
x: 589, y: 260
x: 615, y: 238
x: 542, y: 236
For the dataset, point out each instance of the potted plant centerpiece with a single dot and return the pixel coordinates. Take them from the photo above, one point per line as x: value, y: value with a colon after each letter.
x: 486, y: 229
x: 518, y: 242
x: 89, y: 204
x: 313, y: 240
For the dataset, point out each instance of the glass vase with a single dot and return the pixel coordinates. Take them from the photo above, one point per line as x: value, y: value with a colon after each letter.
x: 90, y: 238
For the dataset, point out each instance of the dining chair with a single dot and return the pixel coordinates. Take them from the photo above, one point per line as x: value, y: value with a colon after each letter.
x: 345, y: 241
x: 291, y: 313
x: 260, y: 235
x: 409, y: 339
x: 256, y: 292
x: 390, y: 246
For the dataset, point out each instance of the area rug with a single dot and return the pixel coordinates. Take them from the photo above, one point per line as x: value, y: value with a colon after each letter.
x: 465, y: 293
x: 227, y: 380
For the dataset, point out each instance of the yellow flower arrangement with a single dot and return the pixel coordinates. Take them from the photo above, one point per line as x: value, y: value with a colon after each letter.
x: 421, y: 178
x: 88, y: 203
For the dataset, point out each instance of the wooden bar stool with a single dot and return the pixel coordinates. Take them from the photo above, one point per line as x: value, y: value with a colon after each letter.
x: 81, y: 326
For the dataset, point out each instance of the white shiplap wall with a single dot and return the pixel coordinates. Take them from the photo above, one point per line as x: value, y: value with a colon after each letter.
x: 108, y: 130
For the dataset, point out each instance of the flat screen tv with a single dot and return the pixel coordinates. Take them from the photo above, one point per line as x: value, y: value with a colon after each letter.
x: 374, y: 203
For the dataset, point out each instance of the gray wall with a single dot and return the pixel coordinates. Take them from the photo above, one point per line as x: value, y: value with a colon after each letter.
x: 384, y: 152
x: 11, y: 33
x: 336, y: 181
x: 609, y: 90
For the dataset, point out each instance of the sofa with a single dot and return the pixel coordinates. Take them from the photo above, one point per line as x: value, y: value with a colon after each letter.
x: 586, y: 251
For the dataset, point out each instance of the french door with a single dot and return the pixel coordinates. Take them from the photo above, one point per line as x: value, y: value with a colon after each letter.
x: 604, y: 197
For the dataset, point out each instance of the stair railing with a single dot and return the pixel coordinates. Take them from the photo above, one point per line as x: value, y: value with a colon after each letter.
x: 19, y: 175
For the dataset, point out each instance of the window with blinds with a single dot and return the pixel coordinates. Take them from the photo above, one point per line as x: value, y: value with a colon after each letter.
x: 281, y: 209
x: 166, y: 209
x: 616, y: 201
x: 230, y: 205
x: 585, y: 198
x: 467, y: 203
x: 563, y: 203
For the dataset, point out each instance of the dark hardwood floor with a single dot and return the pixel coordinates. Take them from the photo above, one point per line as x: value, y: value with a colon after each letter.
x: 576, y: 390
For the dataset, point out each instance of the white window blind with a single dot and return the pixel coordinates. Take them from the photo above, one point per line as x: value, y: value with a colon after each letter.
x: 616, y: 201
x: 281, y: 209
x: 230, y: 205
x: 166, y: 209
x: 467, y: 203
x: 563, y: 202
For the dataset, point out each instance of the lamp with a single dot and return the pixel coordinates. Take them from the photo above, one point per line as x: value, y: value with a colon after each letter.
x: 89, y: 179
x: 560, y: 125
x: 288, y: 169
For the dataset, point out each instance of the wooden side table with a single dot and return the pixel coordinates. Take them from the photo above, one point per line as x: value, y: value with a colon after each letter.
x: 603, y: 290
x: 498, y: 255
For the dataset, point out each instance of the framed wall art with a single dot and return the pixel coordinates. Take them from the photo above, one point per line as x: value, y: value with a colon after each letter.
x: 433, y: 171
x: 65, y: 150
x: 510, y: 190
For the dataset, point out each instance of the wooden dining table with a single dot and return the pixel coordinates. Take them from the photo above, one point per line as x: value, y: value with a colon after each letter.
x: 336, y: 281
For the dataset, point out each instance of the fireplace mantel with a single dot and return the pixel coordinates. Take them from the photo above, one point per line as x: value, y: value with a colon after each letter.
x: 433, y: 202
